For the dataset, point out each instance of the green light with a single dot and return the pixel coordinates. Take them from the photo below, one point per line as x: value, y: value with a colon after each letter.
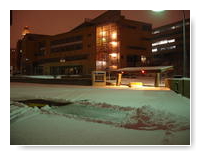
x: 157, y: 10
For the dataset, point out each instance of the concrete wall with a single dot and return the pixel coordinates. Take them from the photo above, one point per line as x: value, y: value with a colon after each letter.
x: 179, y: 85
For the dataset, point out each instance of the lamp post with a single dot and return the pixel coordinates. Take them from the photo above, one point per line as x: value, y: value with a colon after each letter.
x: 184, y: 48
x: 184, y: 44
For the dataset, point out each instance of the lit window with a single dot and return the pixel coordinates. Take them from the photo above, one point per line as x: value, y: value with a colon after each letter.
x: 171, y: 41
x: 101, y: 63
x: 103, y: 33
x: 114, y: 43
x: 163, y: 42
x: 113, y: 67
x: 155, y: 32
x: 143, y: 58
x: 172, y: 47
x: 103, y: 39
x: 62, y: 60
x: 113, y: 55
x: 114, y: 35
x: 173, y: 27
x: 154, y: 50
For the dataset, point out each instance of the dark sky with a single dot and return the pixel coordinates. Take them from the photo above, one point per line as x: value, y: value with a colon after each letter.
x: 58, y: 21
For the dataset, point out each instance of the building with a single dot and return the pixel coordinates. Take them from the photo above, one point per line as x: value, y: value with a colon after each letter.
x: 167, y: 46
x: 106, y: 43
x: 14, y: 61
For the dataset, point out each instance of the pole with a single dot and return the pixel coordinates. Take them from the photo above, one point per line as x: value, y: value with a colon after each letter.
x: 157, y: 80
x: 184, y: 48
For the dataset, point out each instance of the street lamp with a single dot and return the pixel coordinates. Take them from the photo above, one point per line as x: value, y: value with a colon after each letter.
x: 184, y: 44
x: 184, y: 48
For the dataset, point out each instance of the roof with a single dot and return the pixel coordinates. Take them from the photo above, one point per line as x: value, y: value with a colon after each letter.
x: 152, y: 69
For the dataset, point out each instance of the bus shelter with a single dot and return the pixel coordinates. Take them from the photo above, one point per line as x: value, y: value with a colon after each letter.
x: 156, y: 69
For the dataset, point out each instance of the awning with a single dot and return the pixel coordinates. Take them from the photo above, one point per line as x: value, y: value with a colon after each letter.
x: 154, y: 69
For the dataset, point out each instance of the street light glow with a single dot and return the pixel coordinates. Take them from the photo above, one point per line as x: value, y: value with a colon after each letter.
x: 157, y: 10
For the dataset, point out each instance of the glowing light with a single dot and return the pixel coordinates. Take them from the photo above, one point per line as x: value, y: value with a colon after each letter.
x: 163, y: 42
x: 113, y: 67
x: 103, y: 39
x: 62, y: 60
x: 103, y: 33
x: 114, y: 35
x: 154, y: 50
x: 143, y: 71
x: 158, y: 10
x: 135, y: 84
x: 113, y: 55
x: 143, y: 58
x: 114, y: 43
x: 101, y: 63
x: 155, y: 32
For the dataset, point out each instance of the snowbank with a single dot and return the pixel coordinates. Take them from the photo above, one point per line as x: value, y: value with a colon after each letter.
x: 154, y: 117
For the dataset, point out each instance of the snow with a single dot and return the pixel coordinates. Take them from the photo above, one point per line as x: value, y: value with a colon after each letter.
x: 51, y: 125
x: 41, y: 76
x: 152, y: 68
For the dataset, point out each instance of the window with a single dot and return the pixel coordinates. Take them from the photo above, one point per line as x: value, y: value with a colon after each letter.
x: 161, y: 42
x: 154, y: 50
x: 131, y: 26
x: 67, y: 48
x: 155, y: 32
x: 66, y: 70
x: 136, y: 48
x: 67, y: 40
x: 146, y: 27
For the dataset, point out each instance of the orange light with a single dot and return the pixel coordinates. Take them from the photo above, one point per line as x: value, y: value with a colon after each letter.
x: 114, y: 43
x: 103, y: 39
x: 113, y: 67
x: 114, y: 35
x: 103, y: 33
x: 113, y: 55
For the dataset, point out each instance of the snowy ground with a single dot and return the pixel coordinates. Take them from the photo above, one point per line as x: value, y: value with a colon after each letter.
x: 99, y: 116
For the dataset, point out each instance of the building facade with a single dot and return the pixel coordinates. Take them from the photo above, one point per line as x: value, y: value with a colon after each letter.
x: 13, y: 59
x: 167, y: 46
x: 105, y: 43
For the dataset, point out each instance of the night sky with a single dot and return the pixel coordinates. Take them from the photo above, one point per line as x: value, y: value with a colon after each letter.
x: 53, y: 22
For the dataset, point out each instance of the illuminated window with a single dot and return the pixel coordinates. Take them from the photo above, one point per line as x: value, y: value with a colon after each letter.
x: 103, y: 33
x: 101, y: 63
x: 155, y: 32
x: 113, y: 55
x: 114, y: 43
x: 163, y: 42
x: 143, y: 58
x: 154, y: 50
x: 171, y: 41
x: 114, y: 35
x: 113, y: 67
x: 103, y: 39
x: 172, y: 47
x: 173, y: 27
x: 107, y: 46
